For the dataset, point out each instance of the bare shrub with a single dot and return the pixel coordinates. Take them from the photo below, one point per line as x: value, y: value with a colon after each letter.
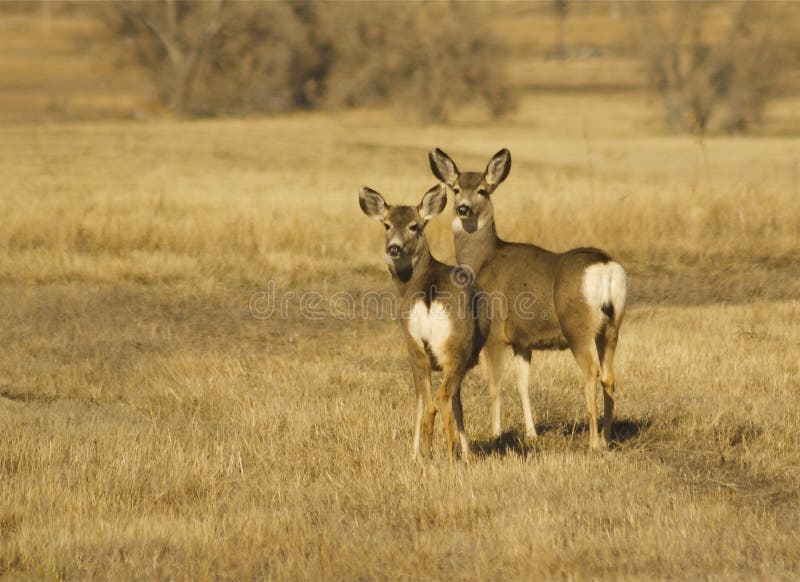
x: 226, y: 57
x: 264, y: 59
x: 711, y: 78
x: 433, y: 56
x: 222, y: 57
x: 169, y: 38
x: 560, y: 10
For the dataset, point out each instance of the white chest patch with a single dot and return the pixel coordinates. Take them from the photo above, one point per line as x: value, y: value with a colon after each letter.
x: 483, y: 220
x: 431, y: 327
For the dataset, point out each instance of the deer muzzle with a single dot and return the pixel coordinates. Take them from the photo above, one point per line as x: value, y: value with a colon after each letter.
x: 394, y: 251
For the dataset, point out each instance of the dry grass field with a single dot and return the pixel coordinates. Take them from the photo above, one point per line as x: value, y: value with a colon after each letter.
x: 152, y: 427
x: 155, y: 423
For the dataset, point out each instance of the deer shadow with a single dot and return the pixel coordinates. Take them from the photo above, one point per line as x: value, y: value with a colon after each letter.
x: 623, y: 430
x: 513, y: 442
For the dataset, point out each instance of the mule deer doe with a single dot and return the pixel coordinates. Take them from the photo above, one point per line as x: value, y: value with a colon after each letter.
x: 444, y: 320
x: 579, y: 295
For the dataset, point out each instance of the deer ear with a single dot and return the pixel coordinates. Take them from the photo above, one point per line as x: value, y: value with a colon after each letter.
x: 443, y: 167
x: 433, y: 202
x: 498, y: 167
x: 372, y: 203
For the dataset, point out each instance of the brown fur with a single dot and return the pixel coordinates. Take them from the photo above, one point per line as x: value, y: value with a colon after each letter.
x: 559, y: 316
x: 421, y: 278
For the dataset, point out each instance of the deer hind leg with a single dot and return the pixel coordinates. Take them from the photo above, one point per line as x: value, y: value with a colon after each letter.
x: 522, y: 361
x: 606, y: 342
x: 492, y: 358
x: 585, y: 358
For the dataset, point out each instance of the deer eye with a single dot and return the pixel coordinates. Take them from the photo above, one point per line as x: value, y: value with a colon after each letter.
x: 387, y: 226
x: 456, y: 190
x: 413, y: 228
x: 482, y: 191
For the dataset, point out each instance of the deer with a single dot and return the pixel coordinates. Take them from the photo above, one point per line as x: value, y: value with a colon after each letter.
x: 578, y: 296
x: 445, y: 324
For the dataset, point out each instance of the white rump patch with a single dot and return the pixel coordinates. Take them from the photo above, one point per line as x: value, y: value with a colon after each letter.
x: 430, y: 326
x: 606, y: 285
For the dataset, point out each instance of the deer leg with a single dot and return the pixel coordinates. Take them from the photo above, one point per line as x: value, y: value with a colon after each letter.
x: 522, y: 361
x: 606, y: 342
x: 427, y: 425
x: 419, y: 410
x: 445, y: 402
x: 458, y: 414
x: 425, y: 408
x: 492, y: 358
x: 585, y: 358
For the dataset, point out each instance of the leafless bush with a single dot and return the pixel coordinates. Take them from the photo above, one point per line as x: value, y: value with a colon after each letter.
x: 169, y: 39
x: 264, y: 59
x: 711, y: 78
x: 560, y: 10
x: 433, y: 55
x: 229, y: 57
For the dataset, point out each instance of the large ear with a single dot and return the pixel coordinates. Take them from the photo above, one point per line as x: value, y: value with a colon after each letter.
x: 433, y: 202
x: 372, y: 203
x: 498, y: 167
x: 443, y: 167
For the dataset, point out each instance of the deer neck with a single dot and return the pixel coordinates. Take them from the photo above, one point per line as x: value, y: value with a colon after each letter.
x: 406, y: 270
x: 475, y: 249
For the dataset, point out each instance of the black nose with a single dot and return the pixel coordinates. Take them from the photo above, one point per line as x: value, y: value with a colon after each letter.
x: 464, y: 210
x: 394, y: 251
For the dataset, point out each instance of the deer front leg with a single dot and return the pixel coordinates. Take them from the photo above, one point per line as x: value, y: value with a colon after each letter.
x: 445, y: 402
x: 449, y: 400
x: 522, y: 361
x: 458, y: 414
x: 418, y: 413
x: 424, y: 408
x: 427, y: 424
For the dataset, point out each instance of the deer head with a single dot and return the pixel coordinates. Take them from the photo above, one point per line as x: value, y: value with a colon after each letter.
x: 471, y: 190
x: 405, y: 239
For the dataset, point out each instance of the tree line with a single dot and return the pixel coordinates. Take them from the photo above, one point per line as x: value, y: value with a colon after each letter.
x: 241, y: 57
x: 223, y: 57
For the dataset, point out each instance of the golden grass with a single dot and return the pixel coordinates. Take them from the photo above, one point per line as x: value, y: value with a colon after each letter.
x: 152, y: 427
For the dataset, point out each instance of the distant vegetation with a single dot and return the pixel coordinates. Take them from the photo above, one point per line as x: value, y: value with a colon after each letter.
x: 714, y: 66
x: 705, y: 80
x: 222, y: 57
x: 158, y: 423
